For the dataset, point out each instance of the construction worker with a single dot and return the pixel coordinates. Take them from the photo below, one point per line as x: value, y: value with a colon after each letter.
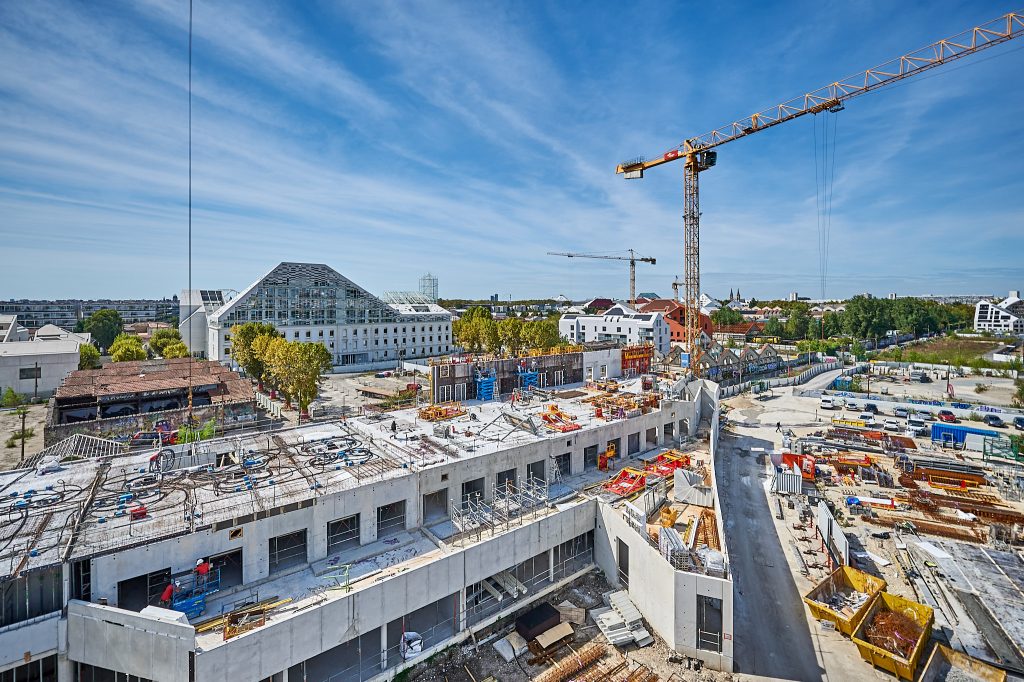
x: 394, y: 428
x: 165, y: 596
x: 202, y: 571
x: 778, y: 427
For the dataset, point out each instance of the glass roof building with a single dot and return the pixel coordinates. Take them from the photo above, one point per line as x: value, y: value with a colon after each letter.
x: 314, y: 303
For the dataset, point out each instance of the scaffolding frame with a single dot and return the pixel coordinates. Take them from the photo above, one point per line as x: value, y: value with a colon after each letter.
x: 510, y: 506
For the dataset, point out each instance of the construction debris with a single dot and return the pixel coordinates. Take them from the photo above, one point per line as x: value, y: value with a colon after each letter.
x: 620, y: 621
x: 575, y: 662
x: 894, y: 632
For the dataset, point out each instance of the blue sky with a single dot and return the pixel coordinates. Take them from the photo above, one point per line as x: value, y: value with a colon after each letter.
x: 468, y: 139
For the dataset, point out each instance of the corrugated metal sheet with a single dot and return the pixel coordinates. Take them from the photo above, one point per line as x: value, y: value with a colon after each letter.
x: 788, y: 481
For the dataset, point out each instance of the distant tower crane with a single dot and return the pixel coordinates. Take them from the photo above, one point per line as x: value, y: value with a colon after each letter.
x: 699, y: 155
x: 632, y: 258
x: 675, y: 288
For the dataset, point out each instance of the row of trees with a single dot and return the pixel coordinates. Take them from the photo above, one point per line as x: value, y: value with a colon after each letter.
x: 477, y: 331
x: 106, y: 327
x: 292, y: 368
x: 864, y: 318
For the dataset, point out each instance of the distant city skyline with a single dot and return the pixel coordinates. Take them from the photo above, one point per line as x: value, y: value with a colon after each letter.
x: 468, y: 139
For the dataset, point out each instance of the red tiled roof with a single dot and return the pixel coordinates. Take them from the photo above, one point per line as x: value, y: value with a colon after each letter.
x: 156, y: 375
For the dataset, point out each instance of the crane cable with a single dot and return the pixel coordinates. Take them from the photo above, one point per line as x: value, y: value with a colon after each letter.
x: 824, y: 181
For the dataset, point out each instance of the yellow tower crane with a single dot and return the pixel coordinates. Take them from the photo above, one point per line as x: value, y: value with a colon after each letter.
x: 632, y: 258
x: 699, y: 153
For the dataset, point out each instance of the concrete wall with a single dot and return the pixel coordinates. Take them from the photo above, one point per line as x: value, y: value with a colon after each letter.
x: 138, y: 644
x: 223, y: 416
x: 287, y: 641
x: 610, y: 358
x: 35, y: 638
x: 53, y: 369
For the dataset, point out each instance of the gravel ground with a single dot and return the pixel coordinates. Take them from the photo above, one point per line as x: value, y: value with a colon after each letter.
x: 10, y: 423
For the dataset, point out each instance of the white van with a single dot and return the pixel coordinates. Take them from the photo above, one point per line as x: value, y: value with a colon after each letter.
x: 827, y: 402
x: 916, y: 427
x: 867, y: 418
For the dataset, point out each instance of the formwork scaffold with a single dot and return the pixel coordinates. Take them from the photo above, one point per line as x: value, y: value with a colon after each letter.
x: 510, y: 506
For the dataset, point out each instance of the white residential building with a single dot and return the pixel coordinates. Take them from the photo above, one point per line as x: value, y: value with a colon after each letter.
x: 315, y: 304
x: 1005, y: 317
x: 620, y: 323
x: 36, y: 367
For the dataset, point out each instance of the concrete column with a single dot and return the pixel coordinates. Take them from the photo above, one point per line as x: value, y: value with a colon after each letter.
x: 384, y: 646
x: 65, y: 673
x: 551, y: 564
x: 463, y: 618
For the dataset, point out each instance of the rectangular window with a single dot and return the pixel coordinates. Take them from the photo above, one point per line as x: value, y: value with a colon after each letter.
x: 43, y: 670
x: 343, y: 534
x: 505, y: 480
x: 391, y: 519
x: 472, y: 491
x: 287, y: 551
x: 564, y: 463
x: 536, y: 470
x: 30, y: 372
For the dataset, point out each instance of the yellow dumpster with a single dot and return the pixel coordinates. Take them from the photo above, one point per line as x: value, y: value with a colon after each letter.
x: 893, y: 633
x: 943, y: 660
x: 843, y: 597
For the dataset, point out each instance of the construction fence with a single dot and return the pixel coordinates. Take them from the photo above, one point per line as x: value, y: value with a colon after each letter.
x: 803, y: 377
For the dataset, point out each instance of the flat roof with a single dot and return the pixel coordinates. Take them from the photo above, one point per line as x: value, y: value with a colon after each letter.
x: 40, y: 347
x: 81, y: 508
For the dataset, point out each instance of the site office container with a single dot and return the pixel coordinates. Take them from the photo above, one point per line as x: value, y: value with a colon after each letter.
x: 844, y: 579
x: 921, y: 614
x: 943, y: 660
x: 956, y: 433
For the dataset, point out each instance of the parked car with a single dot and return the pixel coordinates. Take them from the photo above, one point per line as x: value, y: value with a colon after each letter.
x: 867, y: 418
x: 852, y: 405
x: 916, y: 427
x: 924, y: 415
x: 947, y: 416
x: 827, y: 402
x: 994, y: 421
x: 1018, y: 423
x: 891, y: 425
x: 901, y: 412
x: 872, y: 408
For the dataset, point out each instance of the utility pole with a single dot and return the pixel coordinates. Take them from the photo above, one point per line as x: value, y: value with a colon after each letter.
x: 35, y: 390
x: 24, y: 413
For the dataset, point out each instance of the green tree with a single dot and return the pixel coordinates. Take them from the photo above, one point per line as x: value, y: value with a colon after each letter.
x: 773, y: 327
x: 243, y: 347
x: 296, y: 368
x: 726, y: 316
x: 162, y: 338
x: 858, y: 350
x: 268, y: 349
x: 104, y: 325
x: 1018, y: 396
x: 799, y: 322
x: 544, y: 334
x: 510, y: 334
x: 11, y: 399
x: 178, y: 349
x: 88, y: 357
x: 127, y: 347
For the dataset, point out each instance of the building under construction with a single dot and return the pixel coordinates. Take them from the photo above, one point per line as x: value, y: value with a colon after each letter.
x: 313, y: 553
x: 487, y: 377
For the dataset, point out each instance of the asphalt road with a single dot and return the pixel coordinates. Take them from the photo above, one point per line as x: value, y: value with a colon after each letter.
x: 772, y: 637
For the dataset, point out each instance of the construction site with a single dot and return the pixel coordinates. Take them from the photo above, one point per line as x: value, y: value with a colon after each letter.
x: 392, y: 536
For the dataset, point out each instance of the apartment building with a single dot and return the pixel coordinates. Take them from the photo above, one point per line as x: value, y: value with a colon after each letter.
x: 619, y: 323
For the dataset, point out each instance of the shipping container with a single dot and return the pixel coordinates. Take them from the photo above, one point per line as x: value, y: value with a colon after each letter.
x: 923, y: 616
x: 843, y: 582
x: 956, y: 434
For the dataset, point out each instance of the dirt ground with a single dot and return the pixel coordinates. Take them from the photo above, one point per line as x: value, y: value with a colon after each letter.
x: 997, y: 391
x: 482, y: 660
x: 10, y: 423
x: 950, y: 348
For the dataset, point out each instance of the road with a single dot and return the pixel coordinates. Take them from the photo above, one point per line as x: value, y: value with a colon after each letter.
x: 772, y: 637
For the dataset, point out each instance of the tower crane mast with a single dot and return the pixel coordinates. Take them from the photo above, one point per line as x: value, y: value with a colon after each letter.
x: 632, y: 258
x: 698, y: 153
